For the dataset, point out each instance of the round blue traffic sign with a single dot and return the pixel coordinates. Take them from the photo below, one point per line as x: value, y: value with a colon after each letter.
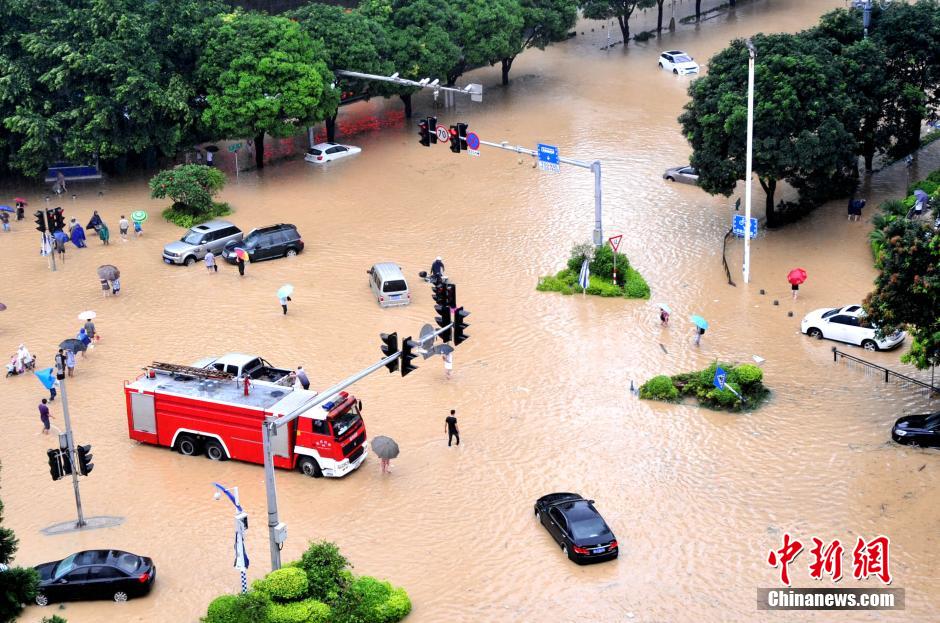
x: 473, y: 141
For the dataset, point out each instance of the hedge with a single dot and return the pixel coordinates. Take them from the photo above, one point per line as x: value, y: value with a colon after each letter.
x: 746, y: 379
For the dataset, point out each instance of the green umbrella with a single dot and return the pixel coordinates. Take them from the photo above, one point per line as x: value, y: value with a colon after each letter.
x: 139, y: 215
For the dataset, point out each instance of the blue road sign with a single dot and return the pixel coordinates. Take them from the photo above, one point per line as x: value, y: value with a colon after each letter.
x: 719, y: 380
x: 473, y: 141
x: 737, y: 226
x: 548, y: 157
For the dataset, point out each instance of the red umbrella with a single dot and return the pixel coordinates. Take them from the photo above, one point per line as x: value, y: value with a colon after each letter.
x: 19, y: 200
x: 796, y: 276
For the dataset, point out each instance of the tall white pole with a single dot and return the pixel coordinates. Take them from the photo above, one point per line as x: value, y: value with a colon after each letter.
x: 747, y: 180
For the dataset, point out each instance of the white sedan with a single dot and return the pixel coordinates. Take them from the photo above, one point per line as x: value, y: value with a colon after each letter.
x: 847, y: 324
x: 678, y: 62
x: 324, y: 152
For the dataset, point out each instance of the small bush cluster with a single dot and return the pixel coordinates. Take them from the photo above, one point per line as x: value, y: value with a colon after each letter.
x: 186, y: 218
x: 895, y: 210
x: 746, y: 379
x: 318, y: 588
x: 600, y: 283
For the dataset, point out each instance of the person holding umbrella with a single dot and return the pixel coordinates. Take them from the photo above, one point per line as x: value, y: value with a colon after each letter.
x: 796, y: 277
x: 283, y: 295
x: 386, y: 449
x: 20, y: 208
x: 241, y: 256
x: 700, y: 325
x: 5, y: 218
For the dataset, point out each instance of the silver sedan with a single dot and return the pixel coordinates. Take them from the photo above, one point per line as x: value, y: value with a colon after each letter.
x: 685, y: 174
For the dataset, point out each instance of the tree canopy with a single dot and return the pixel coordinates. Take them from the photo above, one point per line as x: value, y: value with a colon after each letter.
x: 621, y: 10
x: 543, y: 23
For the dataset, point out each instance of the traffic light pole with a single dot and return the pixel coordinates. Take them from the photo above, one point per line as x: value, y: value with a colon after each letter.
x: 269, y: 430
x: 60, y: 375
x: 475, y: 91
x: 594, y: 166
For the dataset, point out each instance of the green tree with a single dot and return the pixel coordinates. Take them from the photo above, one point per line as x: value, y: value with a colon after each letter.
x: 800, y: 121
x: 622, y: 10
x: 907, y: 291
x: 263, y: 75
x: 421, y: 38
x: 543, y: 22
x: 350, y: 41
x: 190, y: 186
x: 17, y: 584
x: 488, y: 31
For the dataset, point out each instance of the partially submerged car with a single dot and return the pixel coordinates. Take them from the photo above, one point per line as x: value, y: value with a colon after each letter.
x: 687, y: 174
x: 577, y: 527
x: 847, y: 324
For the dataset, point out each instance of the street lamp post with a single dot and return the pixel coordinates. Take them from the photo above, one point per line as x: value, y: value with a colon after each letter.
x: 750, y: 141
x: 241, y: 525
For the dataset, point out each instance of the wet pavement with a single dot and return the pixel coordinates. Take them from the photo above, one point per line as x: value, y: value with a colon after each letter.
x: 697, y: 498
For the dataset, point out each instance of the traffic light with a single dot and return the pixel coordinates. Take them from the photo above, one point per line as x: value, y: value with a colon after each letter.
x: 452, y: 295
x: 66, y: 463
x: 407, y: 356
x: 84, y: 460
x: 390, y: 347
x: 40, y: 221
x: 55, y: 466
x: 462, y: 136
x: 432, y: 130
x: 423, y: 132
x: 58, y: 220
x: 440, y: 293
x: 460, y: 325
x: 443, y: 321
x: 454, y: 140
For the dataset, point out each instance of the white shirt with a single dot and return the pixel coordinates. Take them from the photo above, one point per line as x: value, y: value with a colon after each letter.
x: 123, y: 224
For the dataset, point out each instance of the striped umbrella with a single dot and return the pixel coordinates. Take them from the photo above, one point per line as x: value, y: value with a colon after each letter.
x: 584, y: 279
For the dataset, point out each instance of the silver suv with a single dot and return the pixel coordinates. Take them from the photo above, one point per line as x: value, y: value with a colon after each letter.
x: 211, y: 236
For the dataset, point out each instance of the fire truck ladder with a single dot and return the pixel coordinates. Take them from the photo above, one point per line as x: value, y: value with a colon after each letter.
x: 199, y: 373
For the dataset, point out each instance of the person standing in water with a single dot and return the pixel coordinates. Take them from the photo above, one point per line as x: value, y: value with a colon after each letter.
x: 450, y: 427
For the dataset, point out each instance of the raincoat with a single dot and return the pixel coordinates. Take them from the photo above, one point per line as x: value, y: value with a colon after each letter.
x: 78, y: 236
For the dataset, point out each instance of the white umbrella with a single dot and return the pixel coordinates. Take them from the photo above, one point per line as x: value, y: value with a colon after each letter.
x: 87, y: 315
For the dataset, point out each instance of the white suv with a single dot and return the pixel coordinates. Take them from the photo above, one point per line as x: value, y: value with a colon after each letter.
x: 678, y: 62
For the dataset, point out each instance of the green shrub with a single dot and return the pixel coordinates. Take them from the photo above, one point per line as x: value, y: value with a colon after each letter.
x: 186, y: 218
x: 324, y: 567
x: 53, y: 619
x: 635, y: 286
x: 579, y: 253
x: 600, y: 287
x: 190, y: 186
x: 553, y: 284
x: 307, y: 611
x: 723, y: 397
x: 286, y: 584
x: 603, y: 263
x: 659, y: 388
x: 378, y: 602
x: 748, y: 375
x: 251, y: 607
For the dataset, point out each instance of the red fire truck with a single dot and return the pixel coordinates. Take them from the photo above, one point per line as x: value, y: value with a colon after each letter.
x: 195, y: 411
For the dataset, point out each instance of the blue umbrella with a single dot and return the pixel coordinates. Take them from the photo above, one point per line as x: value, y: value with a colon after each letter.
x: 7, y: 209
x: 700, y: 322
x: 284, y: 291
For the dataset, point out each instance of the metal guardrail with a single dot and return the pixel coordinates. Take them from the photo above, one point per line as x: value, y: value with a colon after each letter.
x: 888, y: 373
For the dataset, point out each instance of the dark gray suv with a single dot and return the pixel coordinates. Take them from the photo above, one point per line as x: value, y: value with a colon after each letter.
x: 211, y: 236
x: 265, y: 243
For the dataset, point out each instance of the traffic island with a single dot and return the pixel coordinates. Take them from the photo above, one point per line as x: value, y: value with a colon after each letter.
x: 721, y: 386
x: 630, y: 283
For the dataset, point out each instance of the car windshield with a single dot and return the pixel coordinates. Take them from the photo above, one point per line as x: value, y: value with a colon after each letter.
x: 127, y: 562
x: 588, y: 527
x: 66, y: 565
x: 343, y: 423
x: 933, y: 421
x: 396, y: 285
x: 193, y: 237
x: 682, y: 58
x: 315, y: 152
x: 831, y: 312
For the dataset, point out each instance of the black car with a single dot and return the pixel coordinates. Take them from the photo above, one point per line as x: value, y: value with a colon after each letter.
x: 577, y: 527
x: 95, y: 574
x: 918, y: 430
x: 266, y: 243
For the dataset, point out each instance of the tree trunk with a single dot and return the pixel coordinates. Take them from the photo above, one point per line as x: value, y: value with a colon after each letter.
x: 406, y: 100
x: 769, y: 187
x: 698, y: 10
x: 331, y: 128
x: 507, y: 65
x: 659, y: 18
x: 868, y: 144
x: 259, y: 151
x: 624, y: 23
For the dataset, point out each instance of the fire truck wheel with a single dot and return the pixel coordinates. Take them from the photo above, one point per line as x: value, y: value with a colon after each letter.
x: 309, y: 467
x: 215, y: 451
x: 187, y: 445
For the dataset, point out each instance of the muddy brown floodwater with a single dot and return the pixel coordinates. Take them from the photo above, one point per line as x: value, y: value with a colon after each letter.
x: 697, y: 498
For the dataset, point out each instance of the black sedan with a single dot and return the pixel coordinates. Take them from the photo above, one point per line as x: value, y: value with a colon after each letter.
x: 577, y: 527
x: 918, y: 430
x: 95, y: 574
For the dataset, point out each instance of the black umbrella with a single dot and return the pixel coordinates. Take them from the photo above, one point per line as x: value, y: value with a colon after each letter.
x: 212, y: 148
x: 73, y: 344
x: 108, y: 272
x: 2, y: 306
x: 385, y: 447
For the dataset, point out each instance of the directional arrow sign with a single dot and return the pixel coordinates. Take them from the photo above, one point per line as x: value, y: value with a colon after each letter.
x: 719, y: 380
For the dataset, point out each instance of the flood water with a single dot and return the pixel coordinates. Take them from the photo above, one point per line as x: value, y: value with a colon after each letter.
x: 697, y: 498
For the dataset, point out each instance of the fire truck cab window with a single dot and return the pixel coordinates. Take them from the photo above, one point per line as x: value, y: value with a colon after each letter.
x: 320, y: 427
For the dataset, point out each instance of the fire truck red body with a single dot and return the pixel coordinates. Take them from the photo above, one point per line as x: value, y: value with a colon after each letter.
x: 194, y: 415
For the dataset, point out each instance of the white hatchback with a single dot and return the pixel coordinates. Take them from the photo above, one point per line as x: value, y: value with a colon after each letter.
x: 678, y: 62
x: 324, y: 152
x: 845, y: 324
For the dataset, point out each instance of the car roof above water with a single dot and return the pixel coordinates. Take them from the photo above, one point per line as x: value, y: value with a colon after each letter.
x: 212, y: 225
